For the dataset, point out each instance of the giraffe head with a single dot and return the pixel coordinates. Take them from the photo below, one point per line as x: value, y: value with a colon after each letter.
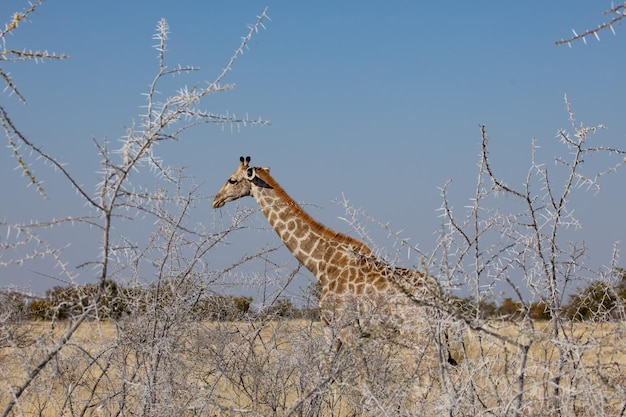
x: 241, y: 183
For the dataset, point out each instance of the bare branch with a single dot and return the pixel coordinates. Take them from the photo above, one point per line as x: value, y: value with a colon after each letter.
x: 619, y: 11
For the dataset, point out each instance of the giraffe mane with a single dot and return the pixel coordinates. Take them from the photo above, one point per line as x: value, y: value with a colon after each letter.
x: 359, y: 247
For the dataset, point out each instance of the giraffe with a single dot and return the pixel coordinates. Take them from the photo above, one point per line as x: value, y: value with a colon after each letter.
x: 354, y: 282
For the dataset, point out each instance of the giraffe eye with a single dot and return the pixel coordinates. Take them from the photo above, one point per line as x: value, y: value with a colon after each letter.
x: 232, y: 181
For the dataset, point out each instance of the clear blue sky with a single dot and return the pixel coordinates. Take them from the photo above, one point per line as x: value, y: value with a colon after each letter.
x: 380, y: 101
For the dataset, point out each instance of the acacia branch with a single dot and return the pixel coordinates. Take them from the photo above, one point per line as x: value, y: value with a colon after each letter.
x: 619, y: 10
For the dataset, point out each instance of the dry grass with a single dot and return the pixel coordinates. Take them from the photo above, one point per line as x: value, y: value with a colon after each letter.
x: 587, y: 361
x: 288, y: 367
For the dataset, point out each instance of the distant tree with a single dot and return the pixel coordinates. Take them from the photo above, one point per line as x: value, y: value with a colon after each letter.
x: 282, y: 307
x: 222, y: 308
x: 469, y: 308
x: 40, y: 309
x: 510, y: 309
x: 243, y: 304
x: 539, y: 311
x: 594, y: 302
x: 61, y: 303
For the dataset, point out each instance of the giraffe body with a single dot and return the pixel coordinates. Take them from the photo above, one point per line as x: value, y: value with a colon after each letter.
x: 352, y: 278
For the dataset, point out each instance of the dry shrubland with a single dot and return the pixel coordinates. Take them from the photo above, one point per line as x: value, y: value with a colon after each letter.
x: 287, y: 367
x: 157, y: 357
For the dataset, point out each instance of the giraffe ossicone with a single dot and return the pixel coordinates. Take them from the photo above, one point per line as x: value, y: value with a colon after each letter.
x: 352, y: 278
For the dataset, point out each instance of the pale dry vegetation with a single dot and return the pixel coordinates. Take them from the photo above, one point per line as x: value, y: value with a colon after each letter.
x: 155, y: 357
x: 286, y: 367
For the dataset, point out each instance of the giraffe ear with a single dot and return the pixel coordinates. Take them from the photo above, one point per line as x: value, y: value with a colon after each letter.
x: 244, y: 162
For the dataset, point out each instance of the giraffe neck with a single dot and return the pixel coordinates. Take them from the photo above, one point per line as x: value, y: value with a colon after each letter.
x: 321, y: 250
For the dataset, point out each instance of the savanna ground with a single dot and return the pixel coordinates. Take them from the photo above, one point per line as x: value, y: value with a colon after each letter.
x: 288, y: 367
x: 158, y: 360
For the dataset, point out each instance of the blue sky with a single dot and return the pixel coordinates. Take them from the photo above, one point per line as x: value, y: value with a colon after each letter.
x: 378, y: 101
